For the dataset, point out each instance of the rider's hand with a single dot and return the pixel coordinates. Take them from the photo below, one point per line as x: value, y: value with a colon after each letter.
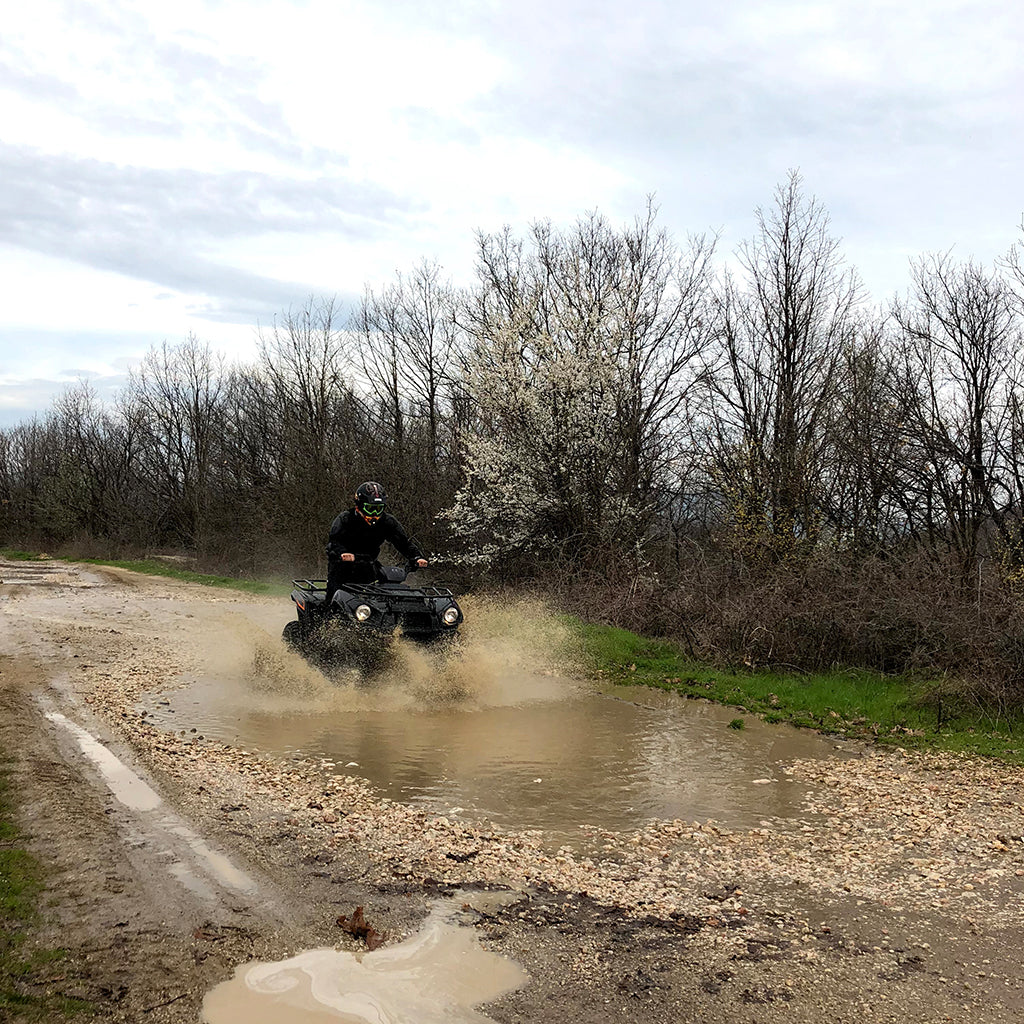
x: 421, y: 562
x: 348, y: 557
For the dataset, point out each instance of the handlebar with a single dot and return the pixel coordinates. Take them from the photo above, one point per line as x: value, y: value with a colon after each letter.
x: 410, y: 565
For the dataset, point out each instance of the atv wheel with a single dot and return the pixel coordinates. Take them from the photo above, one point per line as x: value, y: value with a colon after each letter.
x: 439, y: 643
x: 292, y: 634
x: 335, y: 644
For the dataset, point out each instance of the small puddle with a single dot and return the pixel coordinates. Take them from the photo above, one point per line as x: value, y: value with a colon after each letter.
x: 28, y: 573
x: 437, y: 976
x: 132, y: 791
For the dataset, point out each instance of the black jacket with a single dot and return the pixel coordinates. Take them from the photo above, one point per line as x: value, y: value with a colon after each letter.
x: 350, y: 532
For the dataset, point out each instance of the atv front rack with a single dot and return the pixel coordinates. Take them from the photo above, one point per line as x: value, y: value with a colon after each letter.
x: 311, y: 586
x: 397, y: 595
x: 391, y: 590
x: 315, y: 587
x: 373, y: 612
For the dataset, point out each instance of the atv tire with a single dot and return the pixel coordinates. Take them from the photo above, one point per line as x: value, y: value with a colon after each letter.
x: 292, y: 634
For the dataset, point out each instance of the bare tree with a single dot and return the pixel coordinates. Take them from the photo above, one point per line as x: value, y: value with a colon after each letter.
x: 961, y: 350
x: 179, y: 393
x: 409, y: 342
x: 102, y: 449
x: 782, y: 333
x: 317, y: 419
x: 864, y: 483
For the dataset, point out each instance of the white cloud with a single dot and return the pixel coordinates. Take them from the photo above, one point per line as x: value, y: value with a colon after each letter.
x: 52, y: 308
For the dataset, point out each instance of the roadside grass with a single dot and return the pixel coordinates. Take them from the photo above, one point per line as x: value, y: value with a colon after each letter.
x: 23, y: 971
x: 853, y: 703
x: 154, y: 567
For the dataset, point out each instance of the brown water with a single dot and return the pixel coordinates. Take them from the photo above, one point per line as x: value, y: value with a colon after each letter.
x: 436, y: 977
x: 481, y: 737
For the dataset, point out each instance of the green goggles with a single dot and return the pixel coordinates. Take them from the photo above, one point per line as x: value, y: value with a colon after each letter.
x: 372, y: 509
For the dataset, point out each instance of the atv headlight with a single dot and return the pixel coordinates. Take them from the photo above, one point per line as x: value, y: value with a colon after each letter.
x: 450, y: 615
x: 363, y: 612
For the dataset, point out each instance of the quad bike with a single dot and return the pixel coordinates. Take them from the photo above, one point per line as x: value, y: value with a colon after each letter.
x: 357, y: 627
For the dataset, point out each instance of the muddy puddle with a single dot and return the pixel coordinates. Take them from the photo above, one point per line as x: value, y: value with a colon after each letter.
x: 437, y: 976
x: 482, y: 737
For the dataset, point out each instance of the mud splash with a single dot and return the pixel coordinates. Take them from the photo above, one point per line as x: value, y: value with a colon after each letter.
x: 132, y: 791
x: 501, y: 643
x: 436, y: 977
x: 507, y: 653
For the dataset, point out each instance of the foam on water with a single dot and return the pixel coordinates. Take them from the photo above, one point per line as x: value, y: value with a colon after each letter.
x: 438, y: 976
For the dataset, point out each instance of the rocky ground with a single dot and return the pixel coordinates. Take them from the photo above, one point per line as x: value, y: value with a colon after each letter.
x: 901, y: 902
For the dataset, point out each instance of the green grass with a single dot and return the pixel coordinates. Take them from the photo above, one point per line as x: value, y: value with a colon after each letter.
x: 853, y: 703
x: 157, y: 567
x: 154, y: 567
x: 22, y: 970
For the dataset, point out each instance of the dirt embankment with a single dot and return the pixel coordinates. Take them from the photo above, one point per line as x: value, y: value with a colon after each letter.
x: 900, y: 904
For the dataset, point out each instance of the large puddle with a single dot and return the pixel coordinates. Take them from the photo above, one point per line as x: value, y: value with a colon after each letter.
x: 482, y: 738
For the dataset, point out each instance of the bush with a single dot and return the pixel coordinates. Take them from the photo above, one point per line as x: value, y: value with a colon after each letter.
x: 908, y: 615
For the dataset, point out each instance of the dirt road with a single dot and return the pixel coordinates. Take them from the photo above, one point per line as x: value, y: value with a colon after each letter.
x: 172, y: 859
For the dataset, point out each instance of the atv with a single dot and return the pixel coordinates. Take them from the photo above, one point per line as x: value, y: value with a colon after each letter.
x: 358, y: 625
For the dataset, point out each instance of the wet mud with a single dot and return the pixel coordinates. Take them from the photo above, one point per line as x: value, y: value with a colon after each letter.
x: 493, y: 733
x: 584, y: 763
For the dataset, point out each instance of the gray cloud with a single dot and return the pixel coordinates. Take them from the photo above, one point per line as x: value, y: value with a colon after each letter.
x: 907, y: 121
x: 161, y: 225
x: 650, y: 95
x: 36, y: 83
x: 158, y: 225
x: 25, y: 348
x: 704, y: 105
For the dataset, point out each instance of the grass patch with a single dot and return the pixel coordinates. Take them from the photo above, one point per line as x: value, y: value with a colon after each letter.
x: 852, y: 703
x: 154, y: 567
x: 158, y: 567
x: 21, y: 969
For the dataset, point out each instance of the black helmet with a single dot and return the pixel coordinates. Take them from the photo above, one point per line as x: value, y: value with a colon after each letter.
x: 370, y: 501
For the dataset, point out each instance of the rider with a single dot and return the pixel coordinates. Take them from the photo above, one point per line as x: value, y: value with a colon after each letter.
x: 356, y: 535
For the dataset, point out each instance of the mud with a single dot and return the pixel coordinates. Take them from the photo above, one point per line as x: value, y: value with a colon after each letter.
x: 897, y: 899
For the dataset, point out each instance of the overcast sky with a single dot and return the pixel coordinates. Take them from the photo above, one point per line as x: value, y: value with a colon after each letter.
x: 199, y: 166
